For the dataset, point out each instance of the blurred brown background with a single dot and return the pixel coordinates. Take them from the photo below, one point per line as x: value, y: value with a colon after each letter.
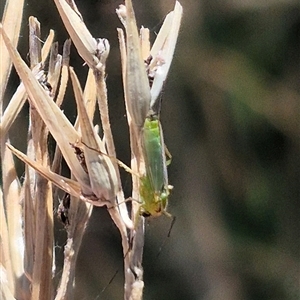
x: 231, y: 119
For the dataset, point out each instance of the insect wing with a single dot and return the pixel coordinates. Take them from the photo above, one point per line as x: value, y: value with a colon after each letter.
x: 153, y: 149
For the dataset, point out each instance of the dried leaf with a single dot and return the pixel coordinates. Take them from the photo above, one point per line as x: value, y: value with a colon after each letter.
x: 101, y: 171
x: 85, y: 44
x: 17, y: 101
x: 69, y: 186
x: 12, y: 18
x: 136, y: 83
x: 163, y: 50
x: 55, y: 120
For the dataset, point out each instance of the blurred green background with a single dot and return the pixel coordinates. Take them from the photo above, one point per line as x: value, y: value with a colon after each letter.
x: 231, y: 119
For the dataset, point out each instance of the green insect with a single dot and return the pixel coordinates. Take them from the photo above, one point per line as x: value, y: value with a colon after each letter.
x: 154, y: 187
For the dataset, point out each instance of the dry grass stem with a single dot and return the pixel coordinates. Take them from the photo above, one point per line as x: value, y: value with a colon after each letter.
x: 11, y: 20
x: 17, y: 101
x: 85, y: 44
x: 137, y: 86
x: 101, y: 172
x: 64, y: 73
x: 27, y: 262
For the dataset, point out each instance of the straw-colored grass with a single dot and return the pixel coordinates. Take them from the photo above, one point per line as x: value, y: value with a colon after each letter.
x: 26, y: 211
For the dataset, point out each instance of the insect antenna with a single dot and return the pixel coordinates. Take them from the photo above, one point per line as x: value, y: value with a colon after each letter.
x: 168, y: 235
x: 113, y: 277
x: 110, y: 281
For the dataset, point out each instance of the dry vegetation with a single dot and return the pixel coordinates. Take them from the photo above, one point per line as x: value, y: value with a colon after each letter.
x: 28, y: 205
